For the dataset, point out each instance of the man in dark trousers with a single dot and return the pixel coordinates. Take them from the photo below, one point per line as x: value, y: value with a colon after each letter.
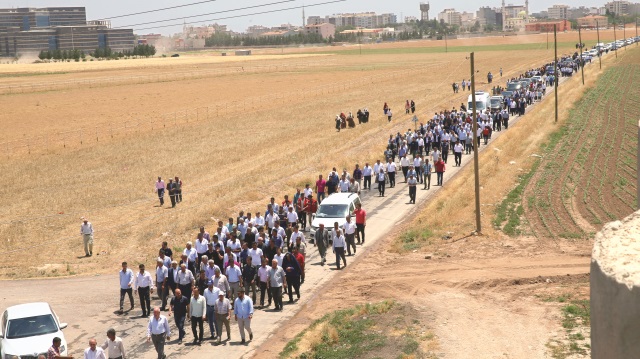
x: 179, y: 305
x: 171, y: 277
x: 171, y: 188
x: 178, y: 183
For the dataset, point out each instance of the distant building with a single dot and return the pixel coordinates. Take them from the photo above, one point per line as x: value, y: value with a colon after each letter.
x: 547, y: 26
x: 408, y: 19
x: 367, y: 20
x: 450, y: 17
x: 593, y: 21
x: 24, y: 30
x: 257, y: 30
x: 558, y: 12
x: 518, y: 23
x: 325, y: 30
x: 620, y: 7
x: 486, y: 16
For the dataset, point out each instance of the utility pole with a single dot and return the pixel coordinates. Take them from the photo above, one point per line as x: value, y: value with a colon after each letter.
x: 581, y: 58
x: 475, y: 145
x: 599, y: 54
x: 624, y: 33
x: 547, y: 38
x: 555, y: 65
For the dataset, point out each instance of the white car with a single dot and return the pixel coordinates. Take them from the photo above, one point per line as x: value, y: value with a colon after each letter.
x: 334, y: 209
x: 28, y: 331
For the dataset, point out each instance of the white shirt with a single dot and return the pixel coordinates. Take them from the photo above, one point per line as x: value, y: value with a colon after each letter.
x: 256, y: 256
x: 198, y: 307
x: 126, y: 278
x: 210, y: 296
x: 458, y: 148
x: 115, y: 348
x: 296, y: 235
x: 344, y: 185
x: 391, y: 167
x: 259, y: 221
x: 191, y: 254
x: 185, y: 277
x: 97, y: 354
x: 339, y: 242
x: 349, y: 227
x: 160, y: 326
x: 279, y: 258
x: 209, y: 271
x: 376, y: 168
x: 292, y: 217
x: 270, y: 219
x: 142, y: 280
x: 367, y: 171
x: 225, y: 260
x: 308, y: 192
x: 234, y: 245
x: 263, y: 273
x: 86, y: 228
x: 404, y: 162
x: 161, y: 274
x: 234, y: 274
x: 417, y: 162
x: 201, y: 246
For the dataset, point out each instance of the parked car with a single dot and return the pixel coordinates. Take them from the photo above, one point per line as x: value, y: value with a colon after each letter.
x: 497, y: 102
x: 514, y: 86
x: 525, y: 82
x: 28, y: 330
x: 175, y: 55
x: 506, y: 94
x: 334, y: 209
x: 536, y: 79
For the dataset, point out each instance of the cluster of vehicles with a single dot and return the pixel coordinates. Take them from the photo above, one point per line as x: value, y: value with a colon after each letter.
x: 612, y: 46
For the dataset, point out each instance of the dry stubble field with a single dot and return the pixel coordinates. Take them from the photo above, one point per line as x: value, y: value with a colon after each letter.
x: 228, y: 163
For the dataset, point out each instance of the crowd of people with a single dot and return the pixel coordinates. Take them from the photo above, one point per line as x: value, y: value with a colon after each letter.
x: 174, y: 189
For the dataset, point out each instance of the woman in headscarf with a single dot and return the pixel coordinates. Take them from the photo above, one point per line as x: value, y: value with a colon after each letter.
x: 293, y: 271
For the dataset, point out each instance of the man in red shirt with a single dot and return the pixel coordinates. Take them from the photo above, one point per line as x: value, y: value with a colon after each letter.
x: 361, y: 222
x: 440, y: 168
x: 320, y: 188
x: 310, y: 207
x: 300, y: 258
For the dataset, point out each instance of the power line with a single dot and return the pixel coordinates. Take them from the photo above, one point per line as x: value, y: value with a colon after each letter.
x: 237, y: 16
x: 157, y: 10
x: 211, y: 13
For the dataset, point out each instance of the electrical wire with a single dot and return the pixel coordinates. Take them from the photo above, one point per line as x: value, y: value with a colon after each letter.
x: 243, y: 15
x: 157, y: 10
x: 207, y: 14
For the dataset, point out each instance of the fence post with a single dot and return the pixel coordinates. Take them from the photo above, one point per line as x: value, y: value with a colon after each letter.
x: 96, y: 133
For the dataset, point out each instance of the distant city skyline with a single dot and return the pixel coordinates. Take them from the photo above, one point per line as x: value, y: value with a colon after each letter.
x: 402, y: 8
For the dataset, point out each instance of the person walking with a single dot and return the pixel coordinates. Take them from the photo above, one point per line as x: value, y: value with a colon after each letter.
x: 407, y: 107
x: 126, y: 284
x: 114, y: 345
x: 426, y: 173
x: 222, y: 308
x: 162, y: 275
x: 440, y: 168
x: 93, y: 351
x: 293, y: 271
x: 339, y: 243
x: 413, y: 182
x: 171, y: 188
x: 321, y: 241
x: 361, y: 222
x: 389, y: 114
x: 243, y: 312
x: 367, y: 171
x: 210, y: 296
x: 321, y: 186
x: 178, y: 183
x: 54, y: 350
x: 277, y: 280
x: 186, y: 280
x: 250, y: 275
x: 349, y: 230
x: 159, y: 332
x: 391, y: 171
x: 197, y: 315
x: 143, y: 285
x: 160, y: 188
x: 234, y: 275
x: 380, y: 178
x: 457, y: 153
x: 263, y: 277
x: 413, y: 106
x: 86, y: 231
x: 179, y: 305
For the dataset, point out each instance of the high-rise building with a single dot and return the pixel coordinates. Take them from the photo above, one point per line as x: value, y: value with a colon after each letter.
x: 486, y: 16
x: 560, y: 12
x: 25, y: 30
x: 450, y: 16
x: 368, y: 20
x: 618, y: 7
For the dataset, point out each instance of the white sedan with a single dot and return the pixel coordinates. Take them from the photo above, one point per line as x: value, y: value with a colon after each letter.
x: 28, y: 330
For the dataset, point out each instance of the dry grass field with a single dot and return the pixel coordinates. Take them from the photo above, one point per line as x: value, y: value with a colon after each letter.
x: 230, y: 162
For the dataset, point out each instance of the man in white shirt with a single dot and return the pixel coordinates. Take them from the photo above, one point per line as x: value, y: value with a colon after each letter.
x: 143, y: 285
x: 295, y: 235
x: 292, y: 216
x: 210, y: 270
x: 270, y: 219
x: 259, y: 220
x: 93, y: 351
x: 162, y: 274
x: 367, y: 172
x: 338, y: 247
x: 126, y: 284
x: 308, y: 191
x: 263, y: 276
x: 201, y: 246
x: 349, y: 228
x: 210, y: 297
x: 222, y: 308
x: 159, y: 332
x: 391, y: 171
x: 192, y: 256
x: 86, y: 231
x: 197, y: 315
x: 255, y: 253
x: 344, y: 184
x: 114, y: 345
x: 234, y: 275
x: 185, y: 280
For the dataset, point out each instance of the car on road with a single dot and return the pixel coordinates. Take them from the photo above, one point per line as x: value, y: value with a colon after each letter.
x: 550, y: 70
x: 514, y: 86
x: 334, y: 209
x: 593, y: 52
x: 536, y: 79
x: 28, y: 330
x: 507, y: 94
x: 497, y: 102
x: 525, y: 82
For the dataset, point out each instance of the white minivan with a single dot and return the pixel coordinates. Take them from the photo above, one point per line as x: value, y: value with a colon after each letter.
x: 334, y: 209
x: 483, y: 102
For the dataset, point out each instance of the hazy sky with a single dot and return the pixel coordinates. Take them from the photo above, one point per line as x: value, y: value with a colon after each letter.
x: 97, y: 9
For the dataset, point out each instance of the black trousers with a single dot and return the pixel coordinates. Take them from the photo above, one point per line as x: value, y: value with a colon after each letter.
x: 145, y: 300
x: 179, y: 195
x: 340, y: 254
x: 128, y: 291
x: 367, y: 182
x: 405, y: 169
x: 197, y: 323
x: 302, y: 218
x: 412, y: 194
x: 440, y: 176
x: 444, y: 156
x: 172, y: 197
x: 276, y: 294
x: 381, y: 187
x: 293, y: 282
x: 263, y: 289
x: 180, y: 324
x: 185, y: 289
x: 392, y: 179
x: 161, y: 195
x: 458, y: 156
x: 351, y: 243
x: 427, y: 180
x: 360, y: 230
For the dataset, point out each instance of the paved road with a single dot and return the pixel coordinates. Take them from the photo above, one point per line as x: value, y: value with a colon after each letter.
x: 89, y: 304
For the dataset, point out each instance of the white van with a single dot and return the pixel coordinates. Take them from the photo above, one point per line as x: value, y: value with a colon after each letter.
x: 483, y: 102
x: 334, y: 209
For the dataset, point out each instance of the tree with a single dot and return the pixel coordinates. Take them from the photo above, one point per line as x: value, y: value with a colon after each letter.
x: 489, y: 28
x: 42, y: 55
